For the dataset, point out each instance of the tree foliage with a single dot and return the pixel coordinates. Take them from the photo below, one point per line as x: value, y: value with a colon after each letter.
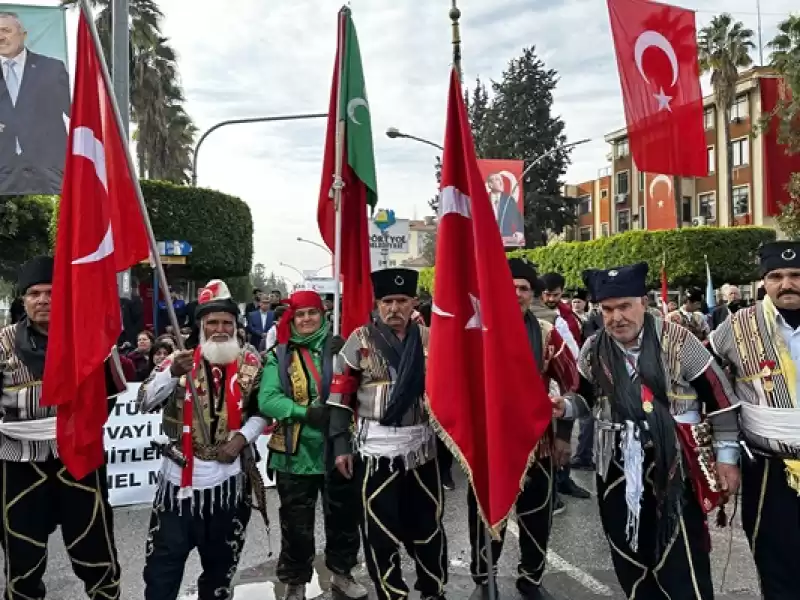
x: 731, y: 255
x: 786, y: 61
x: 165, y: 132
x: 24, y: 231
x: 514, y: 121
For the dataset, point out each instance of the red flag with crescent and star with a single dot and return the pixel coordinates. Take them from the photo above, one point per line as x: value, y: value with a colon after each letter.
x: 484, y: 388
x: 660, y: 202
x: 100, y: 232
x: 656, y: 46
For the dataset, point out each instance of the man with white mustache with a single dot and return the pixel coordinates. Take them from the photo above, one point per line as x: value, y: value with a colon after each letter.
x: 202, y: 499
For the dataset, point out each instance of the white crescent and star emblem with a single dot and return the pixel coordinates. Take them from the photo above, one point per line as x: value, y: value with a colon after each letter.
x: 85, y: 144
x: 475, y: 321
x: 351, y: 108
x: 658, y: 179
x: 399, y: 280
x: 653, y: 39
x: 788, y: 254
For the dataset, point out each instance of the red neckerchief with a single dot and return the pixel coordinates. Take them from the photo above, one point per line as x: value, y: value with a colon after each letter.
x: 572, y: 322
x: 233, y: 398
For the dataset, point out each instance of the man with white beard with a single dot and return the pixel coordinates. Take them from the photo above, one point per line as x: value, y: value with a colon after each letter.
x: 204, y: 486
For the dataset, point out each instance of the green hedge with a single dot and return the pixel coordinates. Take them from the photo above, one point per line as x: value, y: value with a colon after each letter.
x: 218, y: 226
x: 24, y: 222
x: 731, y: 254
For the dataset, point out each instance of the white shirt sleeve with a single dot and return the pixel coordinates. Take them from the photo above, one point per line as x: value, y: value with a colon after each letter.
x: 272, y: 336
x: 156, y: 391
x: 563, y: 330
x: 253, y: 428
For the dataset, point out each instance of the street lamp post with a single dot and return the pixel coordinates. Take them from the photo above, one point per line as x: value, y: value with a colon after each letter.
x: 313, y: 243
x: 243, y: 121
x: 394, y: 132
x: 295, y: 269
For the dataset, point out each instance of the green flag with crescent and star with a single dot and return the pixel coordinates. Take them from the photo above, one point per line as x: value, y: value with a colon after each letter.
x: 349, y: 118
x: 356, y: 114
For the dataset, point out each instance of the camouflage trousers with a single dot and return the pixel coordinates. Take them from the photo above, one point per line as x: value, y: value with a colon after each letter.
x: 341, y: 507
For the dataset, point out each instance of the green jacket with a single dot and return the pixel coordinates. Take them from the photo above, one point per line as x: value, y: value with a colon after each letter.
x: 308, y: 457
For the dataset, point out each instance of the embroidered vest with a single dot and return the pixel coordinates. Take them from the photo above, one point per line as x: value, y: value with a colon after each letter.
x: 247, y: 379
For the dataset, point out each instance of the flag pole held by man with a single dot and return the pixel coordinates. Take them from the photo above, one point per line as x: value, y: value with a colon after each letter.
x: 348, y: 183
x: 484, y: 389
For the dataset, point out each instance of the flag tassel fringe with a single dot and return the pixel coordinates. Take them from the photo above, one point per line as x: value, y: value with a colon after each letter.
x: 493, y: 529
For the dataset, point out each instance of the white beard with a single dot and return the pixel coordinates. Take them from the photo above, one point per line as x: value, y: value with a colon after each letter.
x: 220, y: 353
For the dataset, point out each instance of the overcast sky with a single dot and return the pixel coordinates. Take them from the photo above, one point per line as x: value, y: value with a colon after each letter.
x: 245, y: 58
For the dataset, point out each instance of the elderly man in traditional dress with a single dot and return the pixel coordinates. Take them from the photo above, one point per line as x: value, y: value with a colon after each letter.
x: 657, y: 476
x: 689, y: 314
x: 534, y: 507
x: 392, y: 454
x: 38, y: 493
x: 761, y: 346
x: 203, y: 496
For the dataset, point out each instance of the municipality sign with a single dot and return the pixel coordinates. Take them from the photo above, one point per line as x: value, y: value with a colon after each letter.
x: 388, y: 234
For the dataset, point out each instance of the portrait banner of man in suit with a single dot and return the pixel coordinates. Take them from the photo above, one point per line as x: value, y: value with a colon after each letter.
x: 504, y: 184
x: 34, y: 99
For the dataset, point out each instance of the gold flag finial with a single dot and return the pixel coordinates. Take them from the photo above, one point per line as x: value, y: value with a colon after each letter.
x: 455, y: 15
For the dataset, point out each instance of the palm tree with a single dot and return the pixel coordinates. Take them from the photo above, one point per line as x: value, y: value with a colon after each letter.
x: 786, y: 61
x: 155, y: 94
x: 724, y: 48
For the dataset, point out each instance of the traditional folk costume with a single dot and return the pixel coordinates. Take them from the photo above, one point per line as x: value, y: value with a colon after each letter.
x: 201, y: 502
x: 656, y: 472
x: 295, y: 384
x: 761, y: 346
x: 693, y: 320
x: 395, y: 465
x: 37, y: 492
x: 534, y: 507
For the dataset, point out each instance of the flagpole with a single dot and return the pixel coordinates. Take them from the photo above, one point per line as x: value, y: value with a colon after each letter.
x: 156, y: 258
x: 338, y: 184
x: 455, y: 15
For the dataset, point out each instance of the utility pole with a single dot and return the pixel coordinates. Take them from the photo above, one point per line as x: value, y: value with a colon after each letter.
x: 120, y: 75
x: 760, y: 41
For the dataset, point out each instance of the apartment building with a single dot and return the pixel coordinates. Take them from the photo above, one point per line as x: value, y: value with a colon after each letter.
x: 622, y: 197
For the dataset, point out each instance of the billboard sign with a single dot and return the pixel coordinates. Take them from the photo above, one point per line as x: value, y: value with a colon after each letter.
x: 387, y: 235
x: 504, y: 184
x: 34, y: 99
x: 321, y: 285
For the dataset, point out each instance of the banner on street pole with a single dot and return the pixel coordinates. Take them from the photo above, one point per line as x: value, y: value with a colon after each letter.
x: 504, y: 184
x: 34, y: 99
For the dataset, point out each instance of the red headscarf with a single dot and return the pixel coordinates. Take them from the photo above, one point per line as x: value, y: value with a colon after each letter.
x: 297, y: 301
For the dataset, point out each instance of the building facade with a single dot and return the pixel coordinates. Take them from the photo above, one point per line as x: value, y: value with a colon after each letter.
x: 622, y: 197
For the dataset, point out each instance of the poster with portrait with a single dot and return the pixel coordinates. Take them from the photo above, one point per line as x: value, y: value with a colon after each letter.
x: 34, y: 99
x: 504, y: 184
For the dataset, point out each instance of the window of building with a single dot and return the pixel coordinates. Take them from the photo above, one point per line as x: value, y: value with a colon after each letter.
x: 708, y: 117
x: 623, y: 184
x: 584, y: 205
x: 622, y: 148
x: 741, y: 152
x: 741, y: 201
x: 392, y: 263
x: 623, y: 220
x: 604, y: 229
x: 641, y: 181
x: 604, y: 193
x: 712, y: 159
x: 707, y: 206
x: 740, y: 109
x: 585, y: 234
x: 686, y: 209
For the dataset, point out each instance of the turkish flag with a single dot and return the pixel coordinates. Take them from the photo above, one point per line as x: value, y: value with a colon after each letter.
x: 483, y: 385
x: 656, y: 46
x: 100, y: 231
x: 660, y: 202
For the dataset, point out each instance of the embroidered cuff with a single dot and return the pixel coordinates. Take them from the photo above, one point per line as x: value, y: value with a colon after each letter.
x: 727, y: 452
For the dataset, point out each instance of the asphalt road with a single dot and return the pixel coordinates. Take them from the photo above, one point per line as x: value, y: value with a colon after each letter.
x: 579, y: 561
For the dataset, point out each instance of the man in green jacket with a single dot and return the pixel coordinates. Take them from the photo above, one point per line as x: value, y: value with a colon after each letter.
x: 294, y: 387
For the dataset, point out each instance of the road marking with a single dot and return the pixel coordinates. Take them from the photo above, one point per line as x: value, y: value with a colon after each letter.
x: 579, y: 575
